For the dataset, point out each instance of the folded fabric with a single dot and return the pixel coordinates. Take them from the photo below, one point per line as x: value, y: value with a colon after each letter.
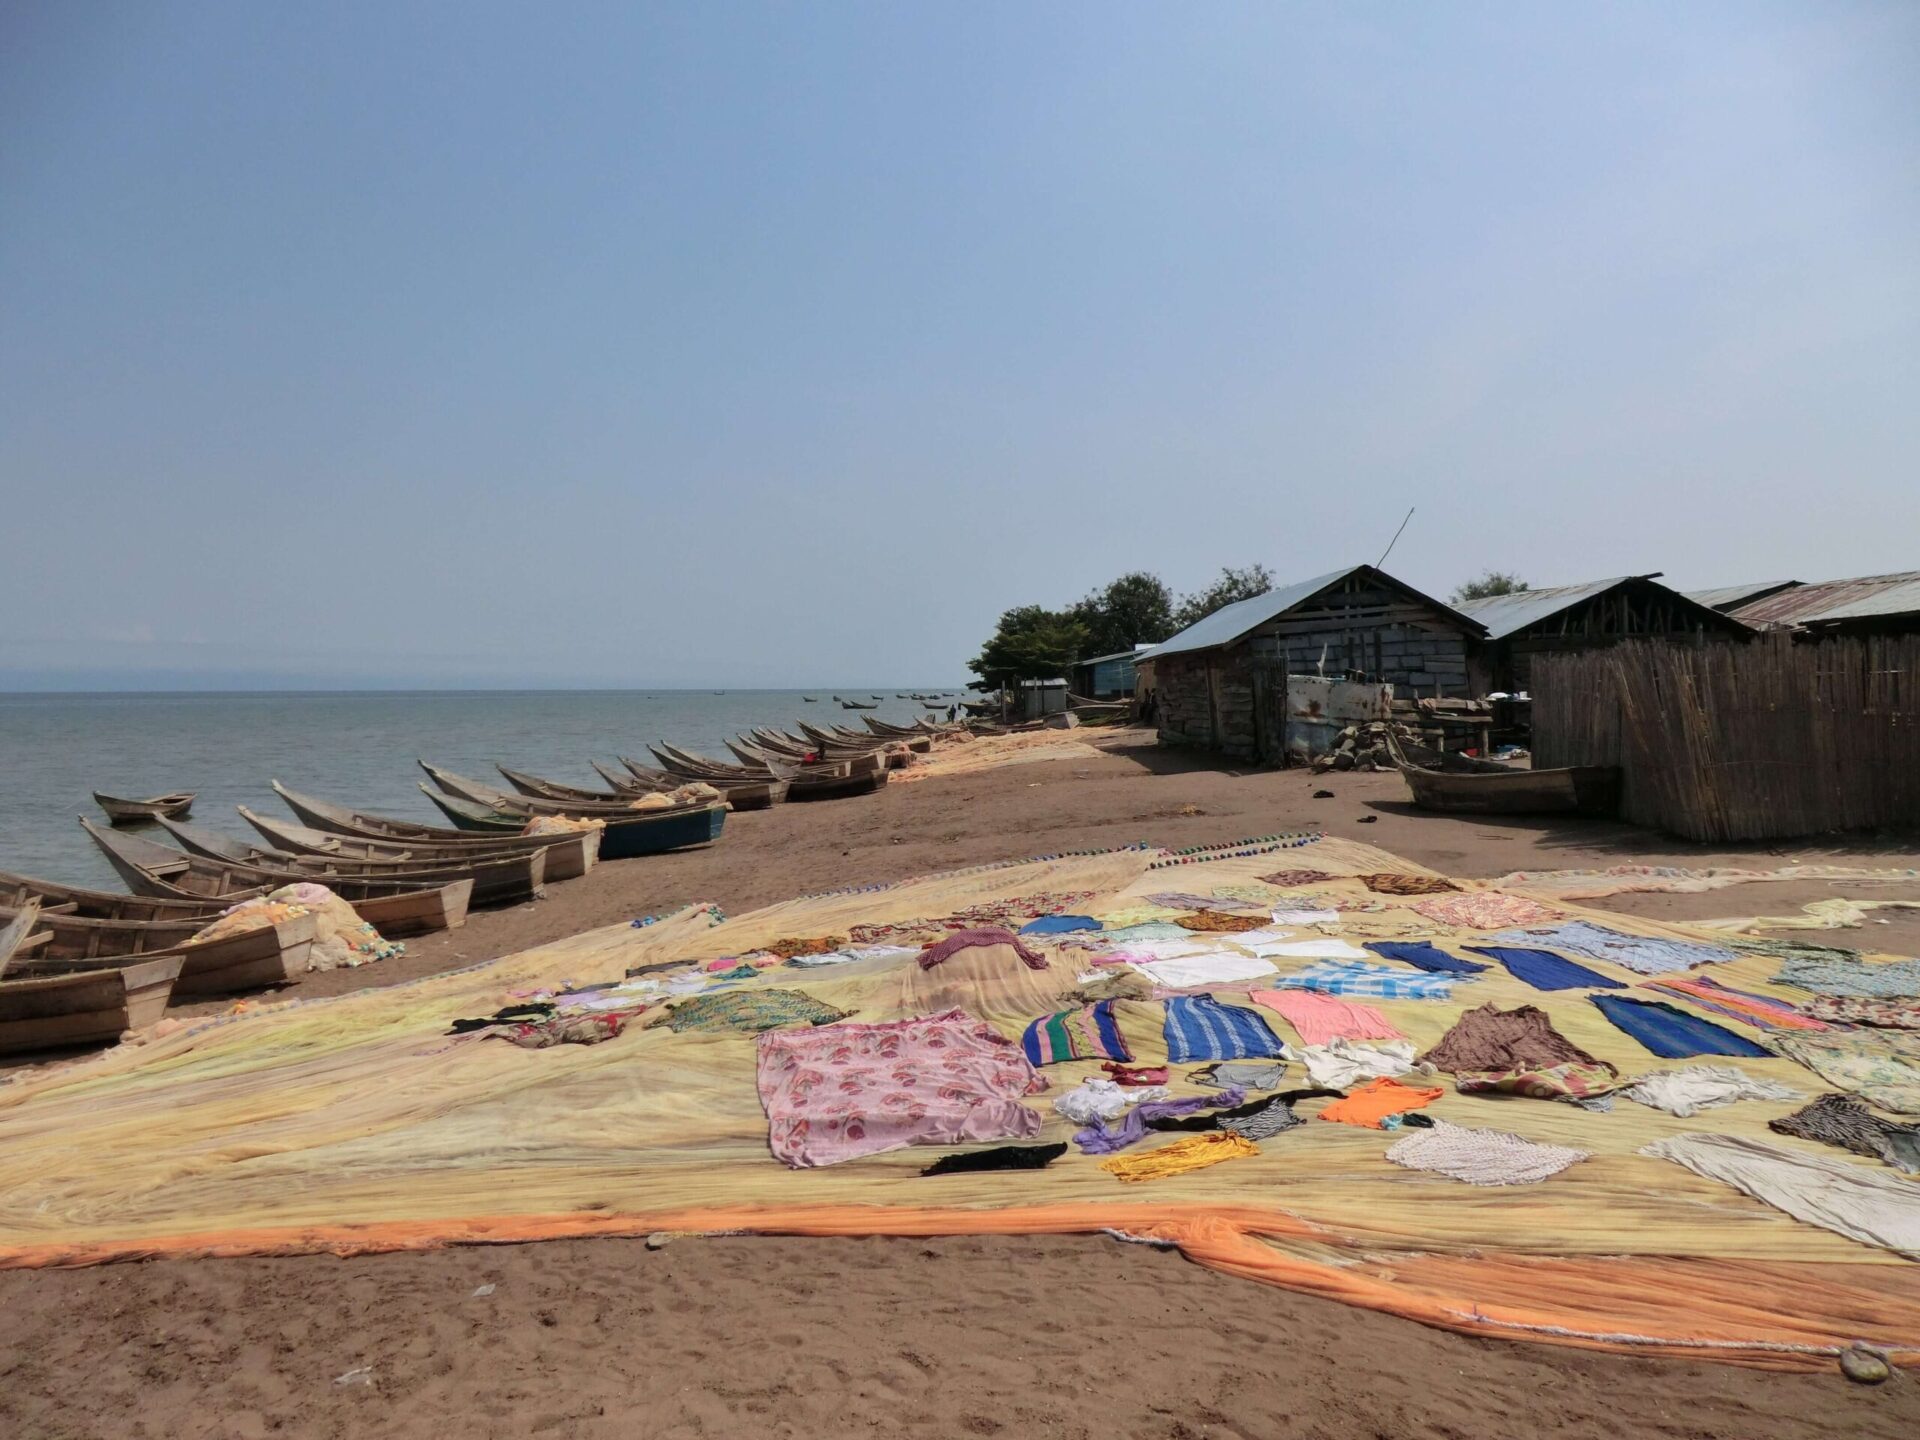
x: 1208, y: 969
x: 1490, y: 1038
x: 1085, y: 1034
x: 1570, y: 1080
x: 1138, y: 1076
x: 1092, y: 1100
x: 1325, y: 947
x: 1545, y: 971
x: 1320, y: 1018
x: 1483, y: 910
x: 1842, y: 1120
x: 1059, y: 924
x: 1761, y: 1011
x: 1423, y: 956
x: 1852, y: 1200
x: 1882, y: 1068
x: 1104, y: 1138
x: 1195, y: 1152
x: 1481, y: 1157
x: 1643, y: 954
x: 1001, y: 1157
x: 1306, y: 917
x: 1394, y: 884
x: 1686, y: 1092
x: 1240, y: 1074
x: 1201, y: 1028
x: 1671, y: 1033
x: 1357, y: 977
x: 939, y: 950
x: 1342, y: 1063
x: 1377, y: 1100
x: 1873, y: 979
x: 1861, y: 1010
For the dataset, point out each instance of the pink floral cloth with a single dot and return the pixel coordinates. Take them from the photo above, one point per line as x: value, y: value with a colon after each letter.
x: 844, y: 1091
x: 1483, y: 910
x: 1320, y: 1018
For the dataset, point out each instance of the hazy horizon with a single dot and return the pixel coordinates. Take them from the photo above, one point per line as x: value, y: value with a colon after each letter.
x: 412, y: 346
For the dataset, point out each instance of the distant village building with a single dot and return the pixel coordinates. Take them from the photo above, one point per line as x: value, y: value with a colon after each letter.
x: 1728, y: 599
x: 1105, y: 677
x: 1222, y: 682
x: 1869, y: 605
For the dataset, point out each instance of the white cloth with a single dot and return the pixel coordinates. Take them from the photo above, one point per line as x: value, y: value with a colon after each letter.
x: 1341, y: 1063
x: 1104, y: 1100
x: 1862, y: 1202
x: 1208, y: 969
x: 1482, y: 1157
x: 1306, y: 917
x: 1688, y: 1091
x: 1325, y: 947
x: 1138, y: 950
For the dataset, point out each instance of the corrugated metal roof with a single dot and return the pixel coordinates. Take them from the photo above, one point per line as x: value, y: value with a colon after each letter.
x: 1732, y: 597
x: 1868, y: 597
x: 1230, y: 622
x: 1101, y: 659
x: 1504, y: 614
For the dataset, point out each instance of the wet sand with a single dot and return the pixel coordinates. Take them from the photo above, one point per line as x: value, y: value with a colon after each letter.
x: 969, y: 1336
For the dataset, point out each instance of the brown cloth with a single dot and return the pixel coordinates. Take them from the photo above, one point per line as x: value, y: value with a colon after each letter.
x: 932, y: 955
x: 1220, y: 921
x: 1293, y: 879
x: 1125, y: 986
x: 819, y: 945
x: 1493, y: 1039
x: 1388, y: 883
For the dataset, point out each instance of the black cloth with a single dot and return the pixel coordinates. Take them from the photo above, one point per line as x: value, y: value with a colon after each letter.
x: 1001, y: 1157
x: 513, y: 1014
x: 1212, y: 1118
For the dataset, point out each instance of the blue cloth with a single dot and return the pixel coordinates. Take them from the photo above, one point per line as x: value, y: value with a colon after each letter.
x: 1671, y: 1033
x: 1545, y: 971
x: 1199, y: 1027
x: 1423, y: 956
x: 1059, y: 924
x: 1357, y: 977
x: 1646, y: 955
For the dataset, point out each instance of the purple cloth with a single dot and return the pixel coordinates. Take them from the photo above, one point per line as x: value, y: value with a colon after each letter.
x: 960, y: 940
x: 1100, y: 1138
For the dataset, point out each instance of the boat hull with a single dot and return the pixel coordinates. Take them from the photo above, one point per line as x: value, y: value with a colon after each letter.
x: 89, y: 1007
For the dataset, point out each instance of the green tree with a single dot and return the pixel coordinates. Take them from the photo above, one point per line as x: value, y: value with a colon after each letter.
x: 1136, y: 609
x: 1494, y: 582
x: 1031, y: 642
x: 1233, y: 585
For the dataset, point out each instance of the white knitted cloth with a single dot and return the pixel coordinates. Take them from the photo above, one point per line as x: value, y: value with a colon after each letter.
x: 1481, y: 1157
x: 1694, y: 1088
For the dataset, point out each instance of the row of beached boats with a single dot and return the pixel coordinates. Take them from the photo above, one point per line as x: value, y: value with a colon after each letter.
x: 80, y: 966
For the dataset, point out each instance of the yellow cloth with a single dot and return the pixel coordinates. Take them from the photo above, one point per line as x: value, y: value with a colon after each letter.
x: 1196, y: 1152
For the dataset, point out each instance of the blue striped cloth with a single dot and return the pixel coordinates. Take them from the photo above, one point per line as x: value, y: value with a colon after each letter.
x: 1671, y: 1033
x: 1199, y: 1027
x: 1544, y: 970
x: 1378, y: 982
x: 1423, y: 956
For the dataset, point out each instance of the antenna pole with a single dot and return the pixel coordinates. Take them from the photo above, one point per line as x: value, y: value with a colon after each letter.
x: 1393, y: 542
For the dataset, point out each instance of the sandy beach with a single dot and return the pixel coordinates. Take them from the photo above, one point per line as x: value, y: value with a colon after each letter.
x: 1080, y: 1336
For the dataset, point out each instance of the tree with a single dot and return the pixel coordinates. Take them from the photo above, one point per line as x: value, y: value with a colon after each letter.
x: 1031, y: 642
x: 1233, y: 585
x: 1494, y: 582
x: 1136, y: 609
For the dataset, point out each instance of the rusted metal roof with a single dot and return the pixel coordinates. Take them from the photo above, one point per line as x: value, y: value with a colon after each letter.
x: 1824, y: 602
x: 1729, y: 598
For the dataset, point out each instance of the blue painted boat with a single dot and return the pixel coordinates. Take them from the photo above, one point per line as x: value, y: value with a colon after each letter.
x: 656, y: 834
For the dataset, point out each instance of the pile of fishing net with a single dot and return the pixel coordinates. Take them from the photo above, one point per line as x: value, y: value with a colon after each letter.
x: 341, y: 939
x: 560, y: 825
x: 697, y: 792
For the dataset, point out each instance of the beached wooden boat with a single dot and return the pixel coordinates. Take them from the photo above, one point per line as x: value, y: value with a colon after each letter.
x: 269, y: 955
x: 74, y: 900
x: 1462, y: 784
x: 538, y: 788
x: 88, y: 1007
x: 122, y: 811
x: 393, y: 907
x: 569, y: 855
x: 19, y: 932
x: 626, y: 832
x: 742, y: 794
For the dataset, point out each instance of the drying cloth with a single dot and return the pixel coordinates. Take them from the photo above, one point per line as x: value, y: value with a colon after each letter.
x: 1377, y: 1100
x: 1423, y: 956
x: 1306, y: 917
x: 960, y: 940
x: 1086, y: 1034
x: 1240, y: 1074
x: 1886, y: 980
x: 1188, y: 900
x: 1391, y: 884
x: 534, y: 1010
x: 1494, y: 1039
x: 1001, y: 1157
x: 1219, y: 921
x: 1293, y: 879
x: 1378, y: 982
x: 1574, y: 1080
x: 845, y: 1091
x: 1863, y: 1204
x: 1882, y: 1069
x: 1320, y: 1018
x: 1686, y: 1092
x: 1673, y: 1034
x: 1102, y: 1138
x: 1632, y: 952
x: 1842, y: 1120
x: 1149, y: 930
x: 748, y: 1011
x: 1326, y: 947
x: 1481, y: 1157
x: 1208, y: 969
x: 1196, y: 1152
x: 1120, y: 985
x: 1859, y: 1010
x: 1483, y: 910
x: 1201, y: 1028
x: 1545, y: 971
x: 1342, y: 1063
x: 1256, y: 1119
x: 819, y: 945
x: 1059, y: 924
x: 1763, y: 1012
x: 1102, y: 1099
x: 1136, y: 1075
x: 566, y: 1030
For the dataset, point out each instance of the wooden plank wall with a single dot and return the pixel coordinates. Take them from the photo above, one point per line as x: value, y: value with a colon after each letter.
x: 1742, y: 742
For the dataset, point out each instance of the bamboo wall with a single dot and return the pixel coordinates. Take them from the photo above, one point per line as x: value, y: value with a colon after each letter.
x: 1742, y: 742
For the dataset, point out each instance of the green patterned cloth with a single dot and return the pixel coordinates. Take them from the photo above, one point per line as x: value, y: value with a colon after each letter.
x: 1881, y: 1069
x: 749, y: 1011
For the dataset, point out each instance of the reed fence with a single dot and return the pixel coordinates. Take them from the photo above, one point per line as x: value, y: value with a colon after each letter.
x: 1755, y: 741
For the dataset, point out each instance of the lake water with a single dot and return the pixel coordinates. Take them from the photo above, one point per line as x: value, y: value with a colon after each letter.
x: 354, y: 748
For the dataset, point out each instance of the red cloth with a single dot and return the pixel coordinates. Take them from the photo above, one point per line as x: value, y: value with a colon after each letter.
x: 960, y: 940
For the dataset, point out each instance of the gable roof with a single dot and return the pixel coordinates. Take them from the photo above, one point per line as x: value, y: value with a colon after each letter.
x: 1729, y: 598
x: 1868, y: 597
x: 1233, y: 622
x: 1505, y: 615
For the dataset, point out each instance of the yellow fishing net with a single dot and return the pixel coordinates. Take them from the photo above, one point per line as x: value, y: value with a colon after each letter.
x: 358, y: 1124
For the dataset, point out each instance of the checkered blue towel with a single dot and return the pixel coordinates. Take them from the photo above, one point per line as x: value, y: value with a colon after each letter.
x: 1360, y: 977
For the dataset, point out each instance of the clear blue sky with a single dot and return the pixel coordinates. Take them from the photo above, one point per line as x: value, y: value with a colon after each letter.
x: 739, y: 344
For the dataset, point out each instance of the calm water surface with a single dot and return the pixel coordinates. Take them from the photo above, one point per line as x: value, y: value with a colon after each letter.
x: 358, y: 749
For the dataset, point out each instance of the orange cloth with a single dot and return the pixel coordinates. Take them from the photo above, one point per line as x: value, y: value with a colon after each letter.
x: 1377, y: 1099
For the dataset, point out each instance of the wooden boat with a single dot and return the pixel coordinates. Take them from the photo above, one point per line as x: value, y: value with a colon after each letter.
x: 811, y: 699
x: 393, y: 907
x: 540, y: 789
x: 1462, y: 784
x: 857, y: 705
x: 87, y: 1007
x: 568, y: 855
x: 121, y: 811
x: 741, y: 794
x: 627, y: 833
x: 18, y: 934
x: 269, y: 955
x: 72, y: 900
